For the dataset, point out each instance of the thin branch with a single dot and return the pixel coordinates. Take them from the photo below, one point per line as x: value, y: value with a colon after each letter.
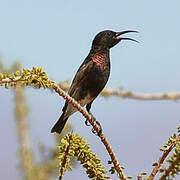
x: 139, y: 176
x: 163, y: 157
x: 65, y: 160
x: 27, y: 163
x: 170, y: 169
x: 18, y: 79
x: 107, y: 92
x: 143, y: 96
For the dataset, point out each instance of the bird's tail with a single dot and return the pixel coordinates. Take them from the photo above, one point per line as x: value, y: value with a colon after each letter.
x: 58, y: 127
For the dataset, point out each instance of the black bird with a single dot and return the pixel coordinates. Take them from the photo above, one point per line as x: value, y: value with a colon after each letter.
x: 92, y: 75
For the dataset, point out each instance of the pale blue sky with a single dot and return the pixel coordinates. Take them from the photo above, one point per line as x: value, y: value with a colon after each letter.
x: 57, y: 35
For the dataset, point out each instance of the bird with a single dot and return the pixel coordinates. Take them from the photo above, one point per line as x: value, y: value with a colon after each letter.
x: 92, y: 75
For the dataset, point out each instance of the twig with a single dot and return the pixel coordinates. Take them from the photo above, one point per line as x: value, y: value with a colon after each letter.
x: 63, y: 166
x: 139, y: 176
x: 163, y: 157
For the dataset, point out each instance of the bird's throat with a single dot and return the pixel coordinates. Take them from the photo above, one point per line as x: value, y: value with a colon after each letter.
x: 101, y: 60
x: 98, y: 59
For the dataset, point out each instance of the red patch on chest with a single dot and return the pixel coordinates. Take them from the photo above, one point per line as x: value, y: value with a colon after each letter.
x: 98, y: 59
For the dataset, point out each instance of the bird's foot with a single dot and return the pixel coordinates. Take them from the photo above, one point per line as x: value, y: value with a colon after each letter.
x: 98, y: 124
x: 100, y: 128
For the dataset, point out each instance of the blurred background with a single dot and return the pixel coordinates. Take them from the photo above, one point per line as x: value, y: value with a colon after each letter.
x: 57, y: 35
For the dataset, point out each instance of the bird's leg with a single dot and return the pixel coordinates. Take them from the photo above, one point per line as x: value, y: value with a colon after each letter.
x: 88, y: 107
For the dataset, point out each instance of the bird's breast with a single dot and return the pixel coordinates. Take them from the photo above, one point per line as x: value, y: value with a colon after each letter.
x: 97, y: 78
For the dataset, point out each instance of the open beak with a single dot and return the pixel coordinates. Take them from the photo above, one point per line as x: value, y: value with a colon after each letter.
x: 118, y: 35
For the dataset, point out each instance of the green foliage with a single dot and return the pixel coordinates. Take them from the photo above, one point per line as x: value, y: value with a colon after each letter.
x: 139, y: 176
x: 173, y: 161
x: 168, y: 143
x: 73, y: 145
x: 35, y: 77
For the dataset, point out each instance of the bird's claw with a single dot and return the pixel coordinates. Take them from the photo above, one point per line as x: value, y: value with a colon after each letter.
x: 100, y: 128
x: 87, y: 123
x: 97, y: 123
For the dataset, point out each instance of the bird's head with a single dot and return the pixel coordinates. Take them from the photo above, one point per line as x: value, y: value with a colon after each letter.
x: 107, y: 39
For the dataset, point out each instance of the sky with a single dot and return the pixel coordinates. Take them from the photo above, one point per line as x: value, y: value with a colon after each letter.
x: 57, y: 35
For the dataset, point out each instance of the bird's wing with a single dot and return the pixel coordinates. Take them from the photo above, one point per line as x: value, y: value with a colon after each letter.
x: 81, y: 74
x: 83, y: 70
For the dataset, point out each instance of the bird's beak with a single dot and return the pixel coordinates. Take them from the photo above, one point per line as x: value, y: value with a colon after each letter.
x: 118, y: 35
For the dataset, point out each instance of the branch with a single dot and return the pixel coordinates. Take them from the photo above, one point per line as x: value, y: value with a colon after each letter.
x: 38, y: 78
x: 27, y: 163
x: 170, y: 169
x: 163, y: 157
x: 107, y: 92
